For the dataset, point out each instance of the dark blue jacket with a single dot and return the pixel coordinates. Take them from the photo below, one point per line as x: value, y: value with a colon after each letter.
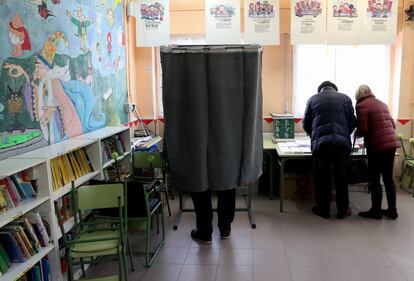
x: 329, y: 119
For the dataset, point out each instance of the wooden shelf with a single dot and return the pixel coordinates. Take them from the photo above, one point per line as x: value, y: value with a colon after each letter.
x: 17, y: 270
x: 24, y: 207
x: 102, y: 133
x: 55, y: 150
x: 111, y: 162
x: 11, y: 166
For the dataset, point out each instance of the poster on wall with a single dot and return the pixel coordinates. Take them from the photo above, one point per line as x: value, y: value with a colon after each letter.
x: 261, y: 22
x: 62, y: 71
x: 344, y: 22
x: 152, y: 22
x: 308, y: 21
x: 222, y: 21
x: 379, y: 21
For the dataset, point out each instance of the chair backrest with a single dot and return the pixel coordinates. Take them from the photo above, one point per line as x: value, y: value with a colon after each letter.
x: 140, y: 196
x: 400, y: 137
x: 143, y: 159
x: 101, y: 196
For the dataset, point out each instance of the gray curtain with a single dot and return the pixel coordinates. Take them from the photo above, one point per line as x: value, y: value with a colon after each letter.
x: 212, y: 99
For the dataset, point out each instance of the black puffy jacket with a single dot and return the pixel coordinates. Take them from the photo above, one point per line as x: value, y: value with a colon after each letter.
x: 329, y: 119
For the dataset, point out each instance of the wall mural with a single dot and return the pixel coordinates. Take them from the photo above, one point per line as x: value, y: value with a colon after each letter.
x: 62, y: 72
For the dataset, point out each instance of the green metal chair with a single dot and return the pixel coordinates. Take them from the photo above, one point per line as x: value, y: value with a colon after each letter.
x: 148, y: 204
x: 407, y: 169
x: 94, y: 242
x: 151, y: 163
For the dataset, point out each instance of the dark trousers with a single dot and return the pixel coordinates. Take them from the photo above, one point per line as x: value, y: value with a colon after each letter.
x: 204, y: 212
x: 331, y: 161
x: 382, y: 164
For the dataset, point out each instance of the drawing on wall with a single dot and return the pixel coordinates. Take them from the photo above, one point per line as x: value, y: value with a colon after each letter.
x: 55, y: 75
x: 308, y: 21
x: 19, y: 37
x: 261, y: 9
x: 344, y: 22
x: 152, y: 23
x: 379, y: 8
x: 222, y: 11
x: 261, y: 24
x: 222, y: 21
x: 82, y: 24
x: 308, y: 8
x: 345, y: 9
x: 379, y: 21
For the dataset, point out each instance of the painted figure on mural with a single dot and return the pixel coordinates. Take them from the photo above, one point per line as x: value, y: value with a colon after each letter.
x: 109, y: 46
x: 42, y: 8
x: 18, y: 35
x: 15, y: 107
x: 82, y: 23
x: 63, y: 107
x: 110, y: 18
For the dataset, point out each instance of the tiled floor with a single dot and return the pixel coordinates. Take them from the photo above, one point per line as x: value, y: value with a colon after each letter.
x: 290, y: 246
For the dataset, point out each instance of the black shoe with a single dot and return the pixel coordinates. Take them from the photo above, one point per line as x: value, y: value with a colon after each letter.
x: 372, y: 214
x: 346, y: 214
x: 200, y: 238
x: 317, y: 212
x: 225, y: 234
x: 391, y: 214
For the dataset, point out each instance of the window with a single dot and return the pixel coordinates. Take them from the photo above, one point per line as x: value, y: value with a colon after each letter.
x: 346, y: 66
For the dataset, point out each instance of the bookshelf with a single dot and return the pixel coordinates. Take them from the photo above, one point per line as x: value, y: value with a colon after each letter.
x: 40, y: 162
x: 18, y: 269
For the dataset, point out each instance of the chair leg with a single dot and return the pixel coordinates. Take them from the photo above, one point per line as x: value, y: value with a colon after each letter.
x: 147, y: 242
x: 82, y: 267
x: 130, y: 254
x: 166, y: 199
x: 70, y: 268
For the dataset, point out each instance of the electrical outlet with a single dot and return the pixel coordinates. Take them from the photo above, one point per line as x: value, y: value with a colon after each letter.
x: 129, y: 107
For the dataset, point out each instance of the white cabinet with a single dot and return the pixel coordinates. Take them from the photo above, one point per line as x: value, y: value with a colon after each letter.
x: 40, y: 160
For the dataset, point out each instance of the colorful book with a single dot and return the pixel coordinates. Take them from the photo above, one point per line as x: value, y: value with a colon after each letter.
x: 28, y: 190
x: 7, y: 196
x: 36, y: 219
x: 14, y: 189
x: 11, y: 246
x: 45, y: 270
x: 3, y: 202
x: 10, y: 190
x: 27, y: 226
x: 16, y: 180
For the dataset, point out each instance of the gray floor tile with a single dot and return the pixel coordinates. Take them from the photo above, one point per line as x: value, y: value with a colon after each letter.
x: 234, y: 272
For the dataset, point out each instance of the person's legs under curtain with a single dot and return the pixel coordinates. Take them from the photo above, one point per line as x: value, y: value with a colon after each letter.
x: 323, y: 184
x: 387, y: 170
x: 226, y: 206
x: 375, y: 162
x: 204, y: 216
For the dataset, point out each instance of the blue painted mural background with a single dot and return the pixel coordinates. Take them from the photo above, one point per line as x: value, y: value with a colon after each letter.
x: 63, y: 70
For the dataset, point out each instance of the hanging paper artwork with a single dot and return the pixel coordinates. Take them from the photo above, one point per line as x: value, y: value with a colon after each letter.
x: 343, y: 22
x: 222, y: 21
x: 308, y: 21
x: 152, y: 22
x: 261, y: 22
x: 379, y: 22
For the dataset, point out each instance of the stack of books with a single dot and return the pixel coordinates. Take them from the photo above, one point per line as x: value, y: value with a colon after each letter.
x: 69, y: 167
x: 15, y: 189
x: 65, y: 207
x: 39, y: 272
x: 22, y: 239
x: 111, y: 145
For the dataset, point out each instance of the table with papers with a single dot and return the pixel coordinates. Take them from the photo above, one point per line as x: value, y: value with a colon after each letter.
x: 299, y: 149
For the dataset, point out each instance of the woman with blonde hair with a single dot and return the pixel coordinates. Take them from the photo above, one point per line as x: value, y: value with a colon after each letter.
x: 377, y: 127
